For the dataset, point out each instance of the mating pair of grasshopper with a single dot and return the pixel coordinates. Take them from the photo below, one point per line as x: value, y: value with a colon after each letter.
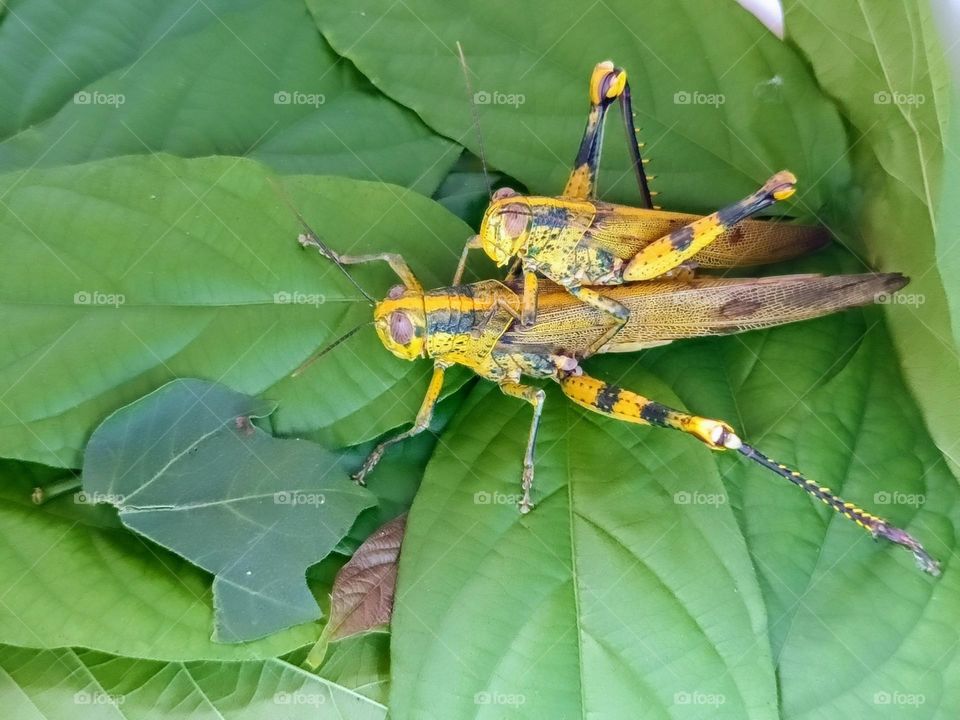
x: 614, y: 279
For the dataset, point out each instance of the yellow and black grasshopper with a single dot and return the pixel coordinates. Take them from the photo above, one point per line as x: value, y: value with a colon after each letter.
x: 578, y: 241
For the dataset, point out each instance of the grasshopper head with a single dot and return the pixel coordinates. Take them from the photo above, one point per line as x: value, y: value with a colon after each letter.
x: 503, y: 230
x: 401, y: 323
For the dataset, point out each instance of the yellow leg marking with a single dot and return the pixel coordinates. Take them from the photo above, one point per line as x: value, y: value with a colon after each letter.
x: 621, y: 404
x: 424, y: 415
x: 528, y: 310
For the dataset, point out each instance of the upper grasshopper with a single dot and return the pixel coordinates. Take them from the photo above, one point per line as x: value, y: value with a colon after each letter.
x: 578, y: 241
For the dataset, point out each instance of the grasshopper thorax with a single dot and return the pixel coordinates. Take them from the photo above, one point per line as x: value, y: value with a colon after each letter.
x: 401, y: 323
x: 503, y: 231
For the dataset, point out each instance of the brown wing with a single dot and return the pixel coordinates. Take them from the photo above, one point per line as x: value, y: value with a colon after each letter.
x: 625, y: 230
x: 663, y: 311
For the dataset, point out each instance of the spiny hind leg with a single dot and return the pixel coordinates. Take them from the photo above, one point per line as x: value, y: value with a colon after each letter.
x: 535, y: 396
x: 621, y: 404
x: 611, y: 307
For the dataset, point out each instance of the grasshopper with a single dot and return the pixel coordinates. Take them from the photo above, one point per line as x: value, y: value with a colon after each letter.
x: 578, y: 241
x: 476, y: 325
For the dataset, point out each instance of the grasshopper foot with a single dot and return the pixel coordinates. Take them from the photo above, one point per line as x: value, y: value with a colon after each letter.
x: 526, y: 504
x: 360, y: 476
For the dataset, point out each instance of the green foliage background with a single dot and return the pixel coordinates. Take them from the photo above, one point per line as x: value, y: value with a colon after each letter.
x: 615, y: 598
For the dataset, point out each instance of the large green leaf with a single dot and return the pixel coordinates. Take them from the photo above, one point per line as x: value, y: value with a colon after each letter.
x: 186, y: 468
x: 642, y: 580
x: 883, y: 64
x: 70, y: 580
x: 88, y: 80
x: 722, y: 102
x: 121, y: 275
x: 80, y: 684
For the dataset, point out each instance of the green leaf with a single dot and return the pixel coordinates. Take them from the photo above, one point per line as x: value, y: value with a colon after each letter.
x: 361, y: 663
x: 123, y: 274
x: 722, y: 102
x: 656, y: 574
x: 897, y: 110
x: 83, y: 684
x: 96, y: 80
x: 186, y: 468
x: 71, y: 580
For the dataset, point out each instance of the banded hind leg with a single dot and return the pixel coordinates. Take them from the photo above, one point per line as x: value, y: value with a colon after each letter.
x: 669, y: 251
x: 621, y: 404
x: 535, y: 396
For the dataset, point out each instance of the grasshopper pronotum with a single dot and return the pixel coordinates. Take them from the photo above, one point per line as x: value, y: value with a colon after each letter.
x: 579, y: 242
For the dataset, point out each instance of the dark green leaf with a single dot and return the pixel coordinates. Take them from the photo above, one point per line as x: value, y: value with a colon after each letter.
x: 186, y: 468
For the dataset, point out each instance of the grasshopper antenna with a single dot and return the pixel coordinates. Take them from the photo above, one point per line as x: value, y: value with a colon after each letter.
x: 476, y: 118
x: 876, y: 526
x: 320, y: 353
x: 309, y: 237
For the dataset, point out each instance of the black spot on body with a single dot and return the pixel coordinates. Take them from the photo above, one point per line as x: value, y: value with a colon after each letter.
x: 740, y: 308
x: 554, y: 217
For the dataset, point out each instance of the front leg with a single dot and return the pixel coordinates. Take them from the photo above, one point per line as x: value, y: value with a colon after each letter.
x: 535, y: 396
x: 424, y: 416
x: 395, y: 260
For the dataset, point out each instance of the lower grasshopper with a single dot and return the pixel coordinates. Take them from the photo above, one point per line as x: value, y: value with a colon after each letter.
x: 475, y: 325
x: 580, y: 242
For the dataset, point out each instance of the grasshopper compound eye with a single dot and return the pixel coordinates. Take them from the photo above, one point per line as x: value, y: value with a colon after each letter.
x: 401, y: 328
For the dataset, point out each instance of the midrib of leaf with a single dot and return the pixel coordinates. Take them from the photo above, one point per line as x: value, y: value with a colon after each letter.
x: 575, y: 580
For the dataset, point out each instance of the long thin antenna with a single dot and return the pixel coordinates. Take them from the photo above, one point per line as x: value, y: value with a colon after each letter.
x: 876, y: 526
x: 309, y: 237
x: 476, y: 118
x: 320, y: 353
